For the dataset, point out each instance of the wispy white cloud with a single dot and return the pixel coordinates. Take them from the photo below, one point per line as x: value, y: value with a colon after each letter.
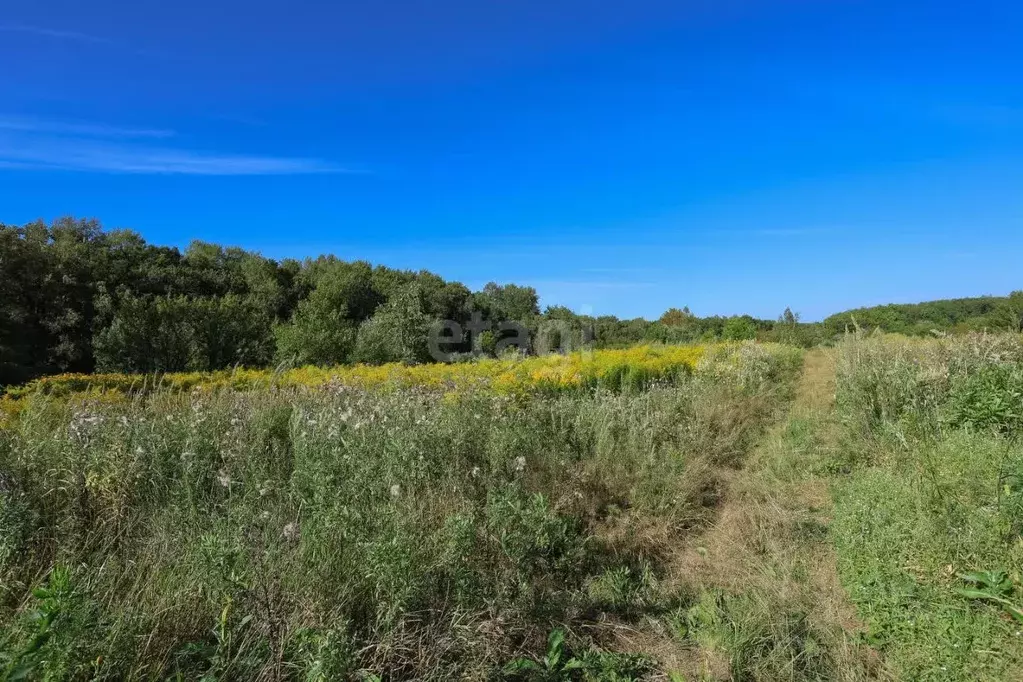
x: 76, y: 37
x: 115, y: 158
x: 55, y: 33
x: 30, y: 144
x: 31, y: 125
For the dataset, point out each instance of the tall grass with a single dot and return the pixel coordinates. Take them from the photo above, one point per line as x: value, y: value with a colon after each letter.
x: 340, y: 532
x: 932, y: 497
x: 890, y: 384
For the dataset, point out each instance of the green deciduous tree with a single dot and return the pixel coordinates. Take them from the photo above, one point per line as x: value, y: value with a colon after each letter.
x: 178, y: 333
x: 397, y: 332
x: 508, y: 302
x: 319, y: 333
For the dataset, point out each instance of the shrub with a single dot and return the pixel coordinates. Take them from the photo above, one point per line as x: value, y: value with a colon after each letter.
x: 990, y: 399
x: 739, y: 329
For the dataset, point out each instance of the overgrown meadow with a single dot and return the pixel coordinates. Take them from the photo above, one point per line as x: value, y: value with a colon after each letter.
x: 722, y: 512
x: 345, y: 531
x: 929, y: 501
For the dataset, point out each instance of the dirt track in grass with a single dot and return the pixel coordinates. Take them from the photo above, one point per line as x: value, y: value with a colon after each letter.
x: 769, y: 552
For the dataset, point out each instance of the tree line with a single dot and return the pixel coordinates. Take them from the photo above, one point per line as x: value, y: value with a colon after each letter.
x: 75, y: 297
x: 959, y: 315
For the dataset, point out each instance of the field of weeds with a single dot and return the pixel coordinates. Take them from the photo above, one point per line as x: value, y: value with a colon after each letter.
x: 929, y: 501
x: 877, y: 532
x: 729, y: 512
x: 336, y: 530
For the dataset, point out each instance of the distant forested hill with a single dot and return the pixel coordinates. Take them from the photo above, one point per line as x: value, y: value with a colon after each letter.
x: 953, y: 315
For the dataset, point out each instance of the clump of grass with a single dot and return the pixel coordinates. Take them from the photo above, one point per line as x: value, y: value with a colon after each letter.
x: 756, y: 637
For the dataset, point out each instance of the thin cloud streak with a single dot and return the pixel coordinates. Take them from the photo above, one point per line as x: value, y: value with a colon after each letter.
x: 54, y: 33
x: 77, y: 37
x: 90, y: 156
x: 27, y: 125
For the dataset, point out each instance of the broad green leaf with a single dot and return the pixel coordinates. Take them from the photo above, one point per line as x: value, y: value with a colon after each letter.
x: 574, y: 664
x: 520, y: 665
x: 974, y: 593
x: 556, y: 639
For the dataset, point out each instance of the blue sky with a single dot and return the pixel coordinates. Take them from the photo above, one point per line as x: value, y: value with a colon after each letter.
x: 734, y: 156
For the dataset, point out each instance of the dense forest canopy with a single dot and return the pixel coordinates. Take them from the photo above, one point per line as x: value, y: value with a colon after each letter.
x: 77, y: 298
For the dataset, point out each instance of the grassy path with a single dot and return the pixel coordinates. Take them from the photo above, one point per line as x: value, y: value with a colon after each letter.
x: 769, y: 602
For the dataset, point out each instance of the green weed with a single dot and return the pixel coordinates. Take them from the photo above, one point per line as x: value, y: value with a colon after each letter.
x: 559, y: 665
